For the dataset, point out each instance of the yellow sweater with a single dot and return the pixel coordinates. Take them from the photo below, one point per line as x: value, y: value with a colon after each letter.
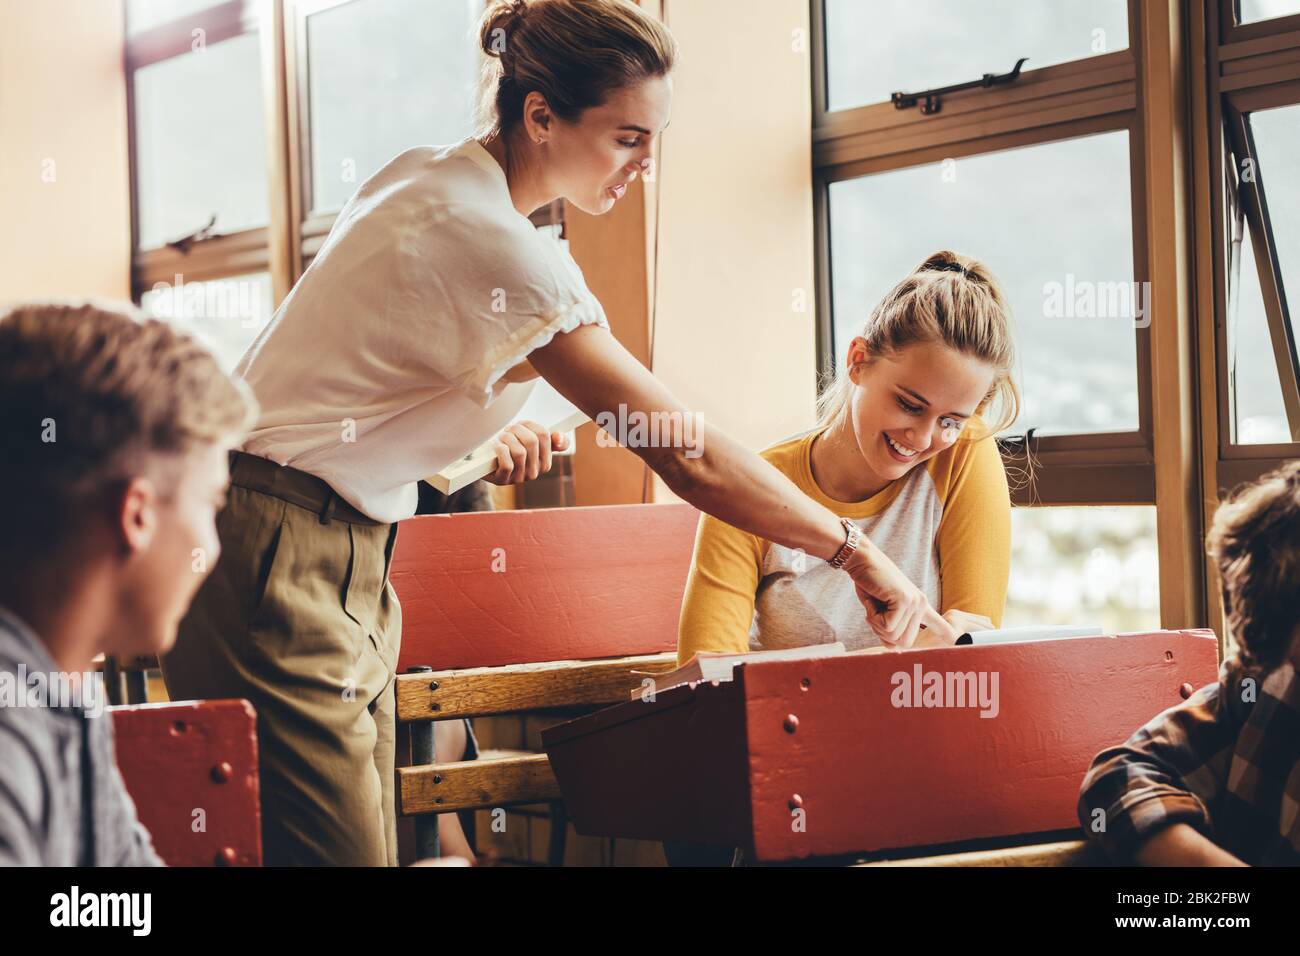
x: 946, y: 524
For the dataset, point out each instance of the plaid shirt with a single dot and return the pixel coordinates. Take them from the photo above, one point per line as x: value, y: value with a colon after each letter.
x: 1227, y: 762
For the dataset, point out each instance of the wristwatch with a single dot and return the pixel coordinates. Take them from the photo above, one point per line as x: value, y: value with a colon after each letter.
x: 852, y: 539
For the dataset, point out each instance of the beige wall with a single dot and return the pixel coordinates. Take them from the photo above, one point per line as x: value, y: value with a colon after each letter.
x: 64, y: 195
x: 735, y: 237
x: 736, y: 219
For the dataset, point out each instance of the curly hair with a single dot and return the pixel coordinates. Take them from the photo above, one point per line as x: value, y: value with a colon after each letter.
x: 1255, y: 540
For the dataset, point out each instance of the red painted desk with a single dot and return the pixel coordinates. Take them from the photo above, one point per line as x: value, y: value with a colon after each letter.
x: 191, y: 768
x: 798, y: 759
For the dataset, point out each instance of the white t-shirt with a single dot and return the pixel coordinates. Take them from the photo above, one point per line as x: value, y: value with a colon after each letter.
x: 381, y: 367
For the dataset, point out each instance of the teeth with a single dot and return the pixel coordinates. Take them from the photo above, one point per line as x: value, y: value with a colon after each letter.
x: 905, y: 452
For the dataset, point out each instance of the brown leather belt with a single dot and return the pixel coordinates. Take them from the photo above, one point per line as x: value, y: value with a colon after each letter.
x: 294, y: 486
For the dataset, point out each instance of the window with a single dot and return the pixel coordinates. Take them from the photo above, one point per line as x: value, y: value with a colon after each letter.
x: 225, y: 314
x: 1033, y: 175
x: 1084, y: 566
x: 196, y: 87
x: 1077, y: 352
x: 364, y: 110
x: 1259, y: 411
x: 1252, y: 11
x: 1256, y: 252
x: 931, y: 43
x: 200, y: 142
x: 252, y: 122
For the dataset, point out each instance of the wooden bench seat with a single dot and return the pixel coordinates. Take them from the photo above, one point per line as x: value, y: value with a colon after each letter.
x: 1059, y: 853
x: 520, y: 611
x: 512, y: 777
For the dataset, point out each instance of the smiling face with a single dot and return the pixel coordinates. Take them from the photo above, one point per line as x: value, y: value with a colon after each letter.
x: 592, y: 161
x: 907, y: 407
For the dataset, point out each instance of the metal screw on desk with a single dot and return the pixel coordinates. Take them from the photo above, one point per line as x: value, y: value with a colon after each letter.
x: 796, y: 801
x: 1186, y: 690
x: 222, y: 772
x: 226, y: 856
x: 791, y: 723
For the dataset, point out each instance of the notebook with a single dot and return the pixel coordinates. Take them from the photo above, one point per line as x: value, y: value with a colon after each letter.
x: 1016, y: 635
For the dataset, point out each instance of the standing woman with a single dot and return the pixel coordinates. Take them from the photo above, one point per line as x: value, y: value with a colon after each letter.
x: 407, y: 343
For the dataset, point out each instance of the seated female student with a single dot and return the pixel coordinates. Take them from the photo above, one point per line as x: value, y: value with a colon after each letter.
x: 902, y: 450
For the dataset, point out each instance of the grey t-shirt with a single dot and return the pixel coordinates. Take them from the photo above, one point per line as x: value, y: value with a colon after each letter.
x: 62, y: 799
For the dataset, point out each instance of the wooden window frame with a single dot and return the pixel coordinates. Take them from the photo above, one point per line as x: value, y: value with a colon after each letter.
x: 286, y: 245
x: 1143, y: 89
x: 1247, y: 67
x: 224, y: 255
x: 1262, y: 33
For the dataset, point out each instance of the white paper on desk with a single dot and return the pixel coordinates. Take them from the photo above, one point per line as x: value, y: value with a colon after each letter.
x: 1016, y: 635
x: 544, y: 405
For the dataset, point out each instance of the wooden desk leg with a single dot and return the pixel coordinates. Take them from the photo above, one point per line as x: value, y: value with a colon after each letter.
x: 137, y: 687
x: 423, y: 753
x: 559, y: 830
x: 113, y: 681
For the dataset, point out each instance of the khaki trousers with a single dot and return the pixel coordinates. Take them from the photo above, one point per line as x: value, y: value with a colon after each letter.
x: 298, y: 617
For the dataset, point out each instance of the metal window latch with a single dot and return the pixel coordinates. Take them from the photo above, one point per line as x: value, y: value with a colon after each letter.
x: 183, y: 244
x: 931, y: 100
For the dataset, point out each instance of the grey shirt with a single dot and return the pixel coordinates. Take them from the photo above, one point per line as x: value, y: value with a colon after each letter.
x: 62, y: 799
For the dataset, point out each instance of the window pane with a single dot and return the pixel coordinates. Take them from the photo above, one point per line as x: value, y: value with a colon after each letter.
x: 1053, y: 222
x: 1277, y: 139
x: 1084, y: 565
x: 413, y: 86
x: 226, y: 314
x: 144, y: 15
x: 1252, y: 10
x: 200, y: 142
x: 1260, y: 415
x: 875, y: 49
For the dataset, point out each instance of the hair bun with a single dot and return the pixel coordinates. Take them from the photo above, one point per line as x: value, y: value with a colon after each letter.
x: 944, y: 261
x: 503, y: 19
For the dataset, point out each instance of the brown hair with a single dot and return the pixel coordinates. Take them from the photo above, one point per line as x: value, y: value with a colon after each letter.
x: 573, y: 52
x: 1255, y: 539
x: 86, y: 391
x: 952, y: 299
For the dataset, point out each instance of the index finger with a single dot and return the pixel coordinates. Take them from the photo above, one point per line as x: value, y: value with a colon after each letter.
x: 937, y: 626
